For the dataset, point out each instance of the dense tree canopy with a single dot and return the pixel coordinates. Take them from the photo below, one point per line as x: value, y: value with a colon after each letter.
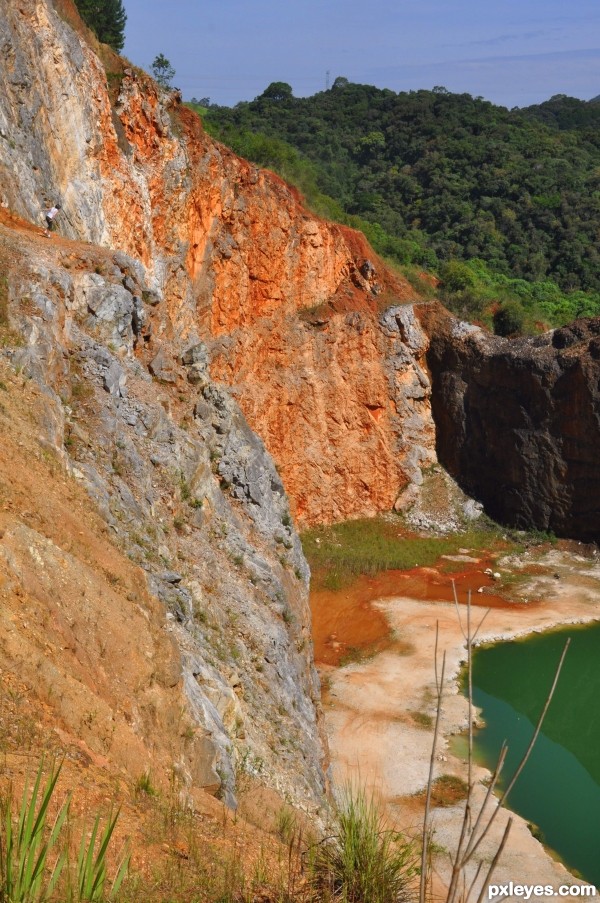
x: 107, y: 19
x: 434, y: 177
x: 519, y: 189
x: 277, y: 91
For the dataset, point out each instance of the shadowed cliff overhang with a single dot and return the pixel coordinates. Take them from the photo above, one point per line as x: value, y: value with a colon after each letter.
x: 518, y: 421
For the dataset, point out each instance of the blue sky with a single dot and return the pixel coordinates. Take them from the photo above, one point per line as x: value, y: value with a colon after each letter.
x: 512, y: 52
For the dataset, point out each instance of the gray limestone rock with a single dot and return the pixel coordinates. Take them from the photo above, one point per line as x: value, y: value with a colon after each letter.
x: 401, y: 320
x: 115, y: 380
x: 202, y: 410
x: 144, y: 472
x: 196, y: 360
x: 197, y: 354
x: 138, y: 318
x: 170, y: 577
x: 161, y: 367
x: 112, y: 309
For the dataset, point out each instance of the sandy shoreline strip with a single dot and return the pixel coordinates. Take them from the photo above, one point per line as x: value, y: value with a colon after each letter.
x: 374, y: 707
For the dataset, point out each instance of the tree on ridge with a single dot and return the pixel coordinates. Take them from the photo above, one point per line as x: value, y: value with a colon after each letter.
x: 163, y: 71
x: 107, y: 20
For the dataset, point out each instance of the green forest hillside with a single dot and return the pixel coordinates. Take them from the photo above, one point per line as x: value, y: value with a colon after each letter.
x: 503, y: 205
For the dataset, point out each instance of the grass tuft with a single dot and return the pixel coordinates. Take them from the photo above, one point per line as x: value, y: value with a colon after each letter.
x: 144, y: 785
x: 422, y: 720
x: 25, y: 851
x: 286, y: 824
x: 447, y: 790
x: 33, y: 853
x: 91, y: 870
x: 364, y: 861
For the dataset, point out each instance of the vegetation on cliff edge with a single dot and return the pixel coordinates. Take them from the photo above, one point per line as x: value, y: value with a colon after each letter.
x: 502, y: 205
x: 107, y: 20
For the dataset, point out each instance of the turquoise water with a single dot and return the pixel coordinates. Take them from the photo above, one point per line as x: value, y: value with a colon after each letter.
x: 559, y: 789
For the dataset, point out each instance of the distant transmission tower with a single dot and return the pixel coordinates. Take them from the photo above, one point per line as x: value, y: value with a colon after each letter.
x: 327, y: 74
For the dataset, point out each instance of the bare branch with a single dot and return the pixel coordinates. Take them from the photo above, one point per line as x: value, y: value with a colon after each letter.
x: 462, y: 630
x: 494, y: 861
x: 525, y: 757
x: 474, y: 881
x: 490, y: 790
x: 425, y: 837
x: 435, y: 658
x: 480, y: 625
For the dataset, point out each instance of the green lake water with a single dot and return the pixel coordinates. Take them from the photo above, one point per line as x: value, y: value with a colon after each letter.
x: 559, y: 789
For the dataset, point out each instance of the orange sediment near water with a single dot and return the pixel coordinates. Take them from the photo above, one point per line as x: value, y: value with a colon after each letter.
x: 345, y: 621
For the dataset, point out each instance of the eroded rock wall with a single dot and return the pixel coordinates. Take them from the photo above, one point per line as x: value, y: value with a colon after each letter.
x: 518, y: 421
x: 226, y: 687
x: 186, y: 300
x: 342, y: 402
x: 231, y: 252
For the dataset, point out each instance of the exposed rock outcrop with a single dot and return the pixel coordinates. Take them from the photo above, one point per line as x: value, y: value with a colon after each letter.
x: 518, y: 421
x: 199, y: 267
x: 192, y: 498
x: 234, y: 256
x: 342, y: 401
x: 205, y: 347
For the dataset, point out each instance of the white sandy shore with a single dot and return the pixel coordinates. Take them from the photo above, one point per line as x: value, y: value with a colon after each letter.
x: 373, y: 735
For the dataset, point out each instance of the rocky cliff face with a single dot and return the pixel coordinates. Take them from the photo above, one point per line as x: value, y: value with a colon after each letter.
x: 342, y: 400
x: 518, y: 421
x: 193, y: 504
x: 186, y: 295
x: 233, y: 255
x: 192, y: 346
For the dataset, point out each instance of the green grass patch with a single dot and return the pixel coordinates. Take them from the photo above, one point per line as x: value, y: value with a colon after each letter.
x: 446, y: 790
x: 342, y: 552
x: 422, y: 720
x: 355, y: 655
x: 144, y: 785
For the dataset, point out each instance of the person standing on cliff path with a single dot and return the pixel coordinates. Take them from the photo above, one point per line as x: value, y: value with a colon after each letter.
x: 50, y: 214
